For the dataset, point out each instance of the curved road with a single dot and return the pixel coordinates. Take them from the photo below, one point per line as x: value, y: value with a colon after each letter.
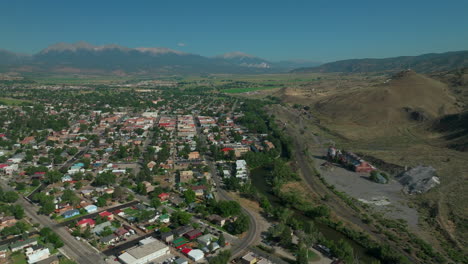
x: 253, y: 231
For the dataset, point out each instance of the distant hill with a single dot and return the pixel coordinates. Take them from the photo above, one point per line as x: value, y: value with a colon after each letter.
x: 246, y: 60
x: 406, y: 97
x: 432, y: 62
x: 10, y: 58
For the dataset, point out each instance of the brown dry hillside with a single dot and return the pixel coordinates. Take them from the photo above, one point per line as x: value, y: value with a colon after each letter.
x: 405, y: 96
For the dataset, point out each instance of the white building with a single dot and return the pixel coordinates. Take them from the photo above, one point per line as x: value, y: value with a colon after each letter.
x: 34, y: 255
x: 241, y: 169
x: 144, y: 253
x: 196, y: 254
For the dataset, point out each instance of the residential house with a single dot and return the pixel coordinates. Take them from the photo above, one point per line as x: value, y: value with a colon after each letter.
x: 205, y: 240
x: 249, y: 258
x: 167, y: 237
x: 186, y: 176
x: 163, y: 196
x: 112, y: 238
x: 86, y: 222
x: 7, y: 221
x: 194, y: 155
x: 51, y: 260
x: 3, y: 251
x: 91, y: 208
x: 107, y: 215
x: 193, y: 234
x: 71, y: 213
x: 23, y: 244
x: 217, y: 220
x: 99, y: 228
x: 120, y: 232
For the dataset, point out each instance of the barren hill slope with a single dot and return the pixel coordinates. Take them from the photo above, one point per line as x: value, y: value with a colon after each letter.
x: 406, y: 96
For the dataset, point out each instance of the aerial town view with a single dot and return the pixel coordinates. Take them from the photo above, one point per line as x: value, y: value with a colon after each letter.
x: 325, y: 153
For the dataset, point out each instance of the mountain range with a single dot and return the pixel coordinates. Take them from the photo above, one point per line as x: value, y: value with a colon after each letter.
x: 82, y: 57
x: 432, y: 62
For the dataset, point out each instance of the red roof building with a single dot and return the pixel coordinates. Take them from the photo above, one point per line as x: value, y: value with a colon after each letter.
x: 226, y: 149
x: 107, y: 214
x: 163, y: 196
x: 86, y: 222
x: 186, y: 250
x: 193, y: 234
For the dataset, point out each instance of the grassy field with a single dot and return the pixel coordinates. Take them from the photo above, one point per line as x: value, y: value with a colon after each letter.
x: 18, y: 258
x: 245, y: 90
x: 12, y: 101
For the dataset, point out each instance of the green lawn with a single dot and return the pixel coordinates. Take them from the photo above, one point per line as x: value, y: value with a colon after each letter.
x: 11, y: 101
x: 18, y: 258
x: 251, y: 89
x: 130, y: 211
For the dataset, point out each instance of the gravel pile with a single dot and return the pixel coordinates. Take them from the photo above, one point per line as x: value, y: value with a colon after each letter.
x: 419, y: 179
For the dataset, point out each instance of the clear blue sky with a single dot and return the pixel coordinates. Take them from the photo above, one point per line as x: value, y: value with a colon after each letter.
x: 323, y: 30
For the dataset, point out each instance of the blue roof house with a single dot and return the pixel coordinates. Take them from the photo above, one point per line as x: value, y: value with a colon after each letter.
x: 71, y: 213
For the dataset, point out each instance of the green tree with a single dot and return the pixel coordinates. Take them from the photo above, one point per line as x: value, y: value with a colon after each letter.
x: 222, y: 240
x: 179, y: 218
x: 53, y: 176
x: 189, y: 196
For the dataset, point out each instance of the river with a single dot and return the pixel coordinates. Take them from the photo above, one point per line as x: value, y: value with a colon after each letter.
x: 259, y: 182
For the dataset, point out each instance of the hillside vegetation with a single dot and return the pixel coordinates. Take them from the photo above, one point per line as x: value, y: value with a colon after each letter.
x: 406, y: 97
x: 426, y: 63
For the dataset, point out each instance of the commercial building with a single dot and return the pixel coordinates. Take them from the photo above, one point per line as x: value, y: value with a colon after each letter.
x: 144, y: 253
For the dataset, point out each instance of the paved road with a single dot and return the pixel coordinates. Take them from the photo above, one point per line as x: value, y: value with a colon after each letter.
x: 254, y: 231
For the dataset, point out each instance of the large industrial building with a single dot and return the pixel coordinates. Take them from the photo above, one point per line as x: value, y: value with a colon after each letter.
x: 145, y: 252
